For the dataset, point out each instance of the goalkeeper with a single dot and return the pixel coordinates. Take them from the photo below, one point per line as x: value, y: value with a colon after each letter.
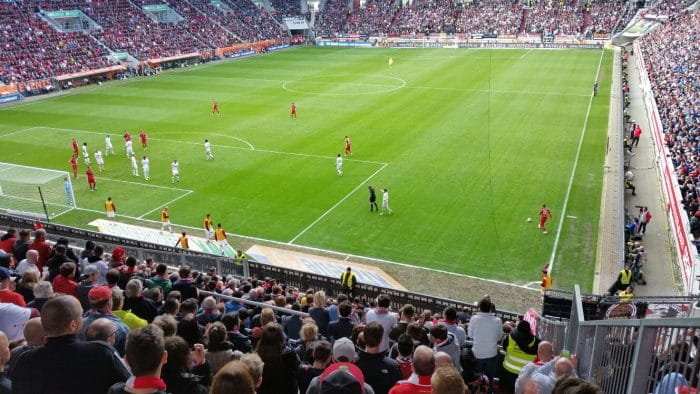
x: 69, y: 191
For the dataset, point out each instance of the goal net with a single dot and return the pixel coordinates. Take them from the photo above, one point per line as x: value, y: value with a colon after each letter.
x: 36, y: 192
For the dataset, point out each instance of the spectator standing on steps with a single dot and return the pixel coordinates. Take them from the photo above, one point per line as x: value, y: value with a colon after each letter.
x: 485, y: 330
x: 382, y: 315
x: 348, y: 282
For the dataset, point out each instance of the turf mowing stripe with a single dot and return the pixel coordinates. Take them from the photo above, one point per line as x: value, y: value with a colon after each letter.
x: 336, y: 204
x: 526, y: 53
x: 573, y: 170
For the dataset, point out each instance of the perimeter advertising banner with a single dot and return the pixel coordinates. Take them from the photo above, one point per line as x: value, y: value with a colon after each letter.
x: 11, y: 98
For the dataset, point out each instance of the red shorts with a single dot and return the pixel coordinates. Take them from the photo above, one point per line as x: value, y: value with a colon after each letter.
x: 91, y: 180
x: 543, y: 220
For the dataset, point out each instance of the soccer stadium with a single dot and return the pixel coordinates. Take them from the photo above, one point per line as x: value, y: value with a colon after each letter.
x: 367, y: 196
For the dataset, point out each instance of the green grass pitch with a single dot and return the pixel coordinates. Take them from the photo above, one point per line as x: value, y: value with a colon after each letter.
x: 469, y: 143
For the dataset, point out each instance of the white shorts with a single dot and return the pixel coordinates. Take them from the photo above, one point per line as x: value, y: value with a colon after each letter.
x: 129, y: 151
x: 100, y: 162
x: 210, y: 233
x: 165, y: 223
x: 222, y: 243
x: 110, y: 214
x: 176, y: 173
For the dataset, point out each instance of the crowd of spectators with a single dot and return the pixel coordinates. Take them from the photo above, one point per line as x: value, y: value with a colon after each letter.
x: 286, y: 8
x: 670, y: 54
x: 332, y: 18
x: 426, y: 17
x: 487, y: 17
x: 375, y: 18
x: 30, y: 49
x: 555, y: 18
x: 73, y: 314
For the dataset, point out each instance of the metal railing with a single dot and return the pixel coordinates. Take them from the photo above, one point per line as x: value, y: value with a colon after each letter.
x: 632, y: 356
x: 256, y: 304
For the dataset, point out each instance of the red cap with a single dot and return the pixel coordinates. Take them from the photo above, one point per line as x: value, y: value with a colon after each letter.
x: 100, y: 293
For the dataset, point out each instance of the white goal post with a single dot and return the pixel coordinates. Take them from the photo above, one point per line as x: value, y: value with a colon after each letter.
x: 35, y: 192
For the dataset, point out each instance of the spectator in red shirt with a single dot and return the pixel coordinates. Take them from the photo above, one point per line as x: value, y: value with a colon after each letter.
x: 41, y: 246
x: 8, y: 240
x: 65, y: 283
x: 423, y: 366
x: 7, y: 287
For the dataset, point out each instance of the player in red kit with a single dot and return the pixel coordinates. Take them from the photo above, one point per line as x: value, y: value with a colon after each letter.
x: 127, y: 135
x: 545, y: 214
x: 215, y: 108
x: 75, y: 147
x: 144, y: 139
x: 348, y: 149
x: 90, y: 179
x: 294, y: 111
x: 74, y: 165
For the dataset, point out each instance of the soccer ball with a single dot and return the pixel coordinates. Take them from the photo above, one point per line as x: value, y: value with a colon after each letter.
x: 529, y: 220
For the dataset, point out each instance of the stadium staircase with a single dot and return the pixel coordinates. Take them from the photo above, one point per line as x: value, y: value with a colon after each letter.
x: 523, y: 20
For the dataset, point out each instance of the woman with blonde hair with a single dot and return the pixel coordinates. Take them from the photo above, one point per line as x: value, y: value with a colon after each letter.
x: 267, y: 315
x: 233, y: 378
x: 308, y: 335
x: 319, y: 313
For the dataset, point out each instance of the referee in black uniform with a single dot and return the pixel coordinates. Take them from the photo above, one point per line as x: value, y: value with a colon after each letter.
x: 372, y: 200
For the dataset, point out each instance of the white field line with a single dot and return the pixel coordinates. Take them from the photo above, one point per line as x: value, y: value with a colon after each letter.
x: 217, y: 146
x: 64, y: 212
x: 16, y: 132
x: 166, y: 204
x: 526, y: 53
x: 573, y: 171
x: 337, y: 204
x: 144, y: 184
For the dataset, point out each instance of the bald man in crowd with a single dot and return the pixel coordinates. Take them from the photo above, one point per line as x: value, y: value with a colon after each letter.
x: 545, y: 353
x: 102, y: 330
x: 35, y: 337
x: 423, y: 366
x: 443, y: 359
x: 545, y: 377
x: 98, y: 369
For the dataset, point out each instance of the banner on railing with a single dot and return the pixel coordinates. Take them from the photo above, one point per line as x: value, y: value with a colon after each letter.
x: 686, y: 253
x: 11, y: 98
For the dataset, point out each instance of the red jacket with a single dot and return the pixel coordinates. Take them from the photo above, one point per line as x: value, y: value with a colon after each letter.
x: 6, y: 245
x: 11, y: 297
x: 411, y: 386
x: 64, y: 285
x: 44, y: 250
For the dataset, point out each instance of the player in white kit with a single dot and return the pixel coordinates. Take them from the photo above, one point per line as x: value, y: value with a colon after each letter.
x: 108, y: 145
x: 385, y: 202
x: 175, y: 169
x: 134, y: 165
x: 99, y: 160
x: 86, y: 155
x: 129, y: 149
x: 339, y: 165
x: 207, y: 150
x: 146, y: 167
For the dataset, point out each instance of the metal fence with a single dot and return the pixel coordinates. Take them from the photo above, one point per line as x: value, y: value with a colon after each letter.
x: 632, y: 356
x: 284, y: 311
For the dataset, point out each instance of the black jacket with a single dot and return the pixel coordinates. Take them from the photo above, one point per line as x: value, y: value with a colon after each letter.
x: 187, y: 289
x: 54, y: 264
x: 342, y: 328
x: 281, y: 379
x: 141, y: 307
x: 118, y: 388
x: 68, y: 365
x: 195, y: 382
x: 292, y: 326
x: 380, y: 371
x: 37, y: 303
x: 240, y: 342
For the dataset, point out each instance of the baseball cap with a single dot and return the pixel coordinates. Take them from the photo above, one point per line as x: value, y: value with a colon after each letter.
x: 89, y: 270
x: 5, y: 273
x: 100, y: 293
x: 344, y: 347
x: 342, y: 378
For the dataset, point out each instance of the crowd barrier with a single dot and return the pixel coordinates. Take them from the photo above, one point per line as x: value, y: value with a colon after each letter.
x: 686, y: 254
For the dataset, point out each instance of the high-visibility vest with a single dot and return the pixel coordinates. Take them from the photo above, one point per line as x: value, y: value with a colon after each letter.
x: 346, y: 280
x: 515, y: 358
x: 625, y: 277
x: 184, y: 243
x: 625, y: 296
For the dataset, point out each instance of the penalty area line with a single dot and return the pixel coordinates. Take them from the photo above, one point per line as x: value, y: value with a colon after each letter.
x: 337, y: 204
x: 573, y: 171
x: 187, y: 193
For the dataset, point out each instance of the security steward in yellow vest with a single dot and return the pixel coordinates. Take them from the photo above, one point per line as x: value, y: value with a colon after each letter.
x: 624, y: 279
x: 348, y: 282
x: 521, y: 348
x: 627, y: 295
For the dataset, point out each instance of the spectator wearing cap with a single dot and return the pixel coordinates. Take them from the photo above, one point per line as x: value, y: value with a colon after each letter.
x: 521, y: 348
x: 342, y: 328
x: 7, y: 287
x: 5, y: 383
x: 130, y: 319
x: 145, y: 356
x: 13, y: 318
x: 29, y: 263
x: 281, y: 362
x: 42, y: 292
x: 64, y: 283
x: 40, y: 245
x: 306, y: 371
x: 380, y: 371
x: 423, y: 366
x: 101, y: 306
x: 485, y: 331
x: 89, y: 280
x: 160, y: 280
x: 119, y: 258
x: 445, y: 341
x: 343, y: 378
x: 135, y: 302
x: 59, y: 257
x: 67, y: 364
x: 382, y: 315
